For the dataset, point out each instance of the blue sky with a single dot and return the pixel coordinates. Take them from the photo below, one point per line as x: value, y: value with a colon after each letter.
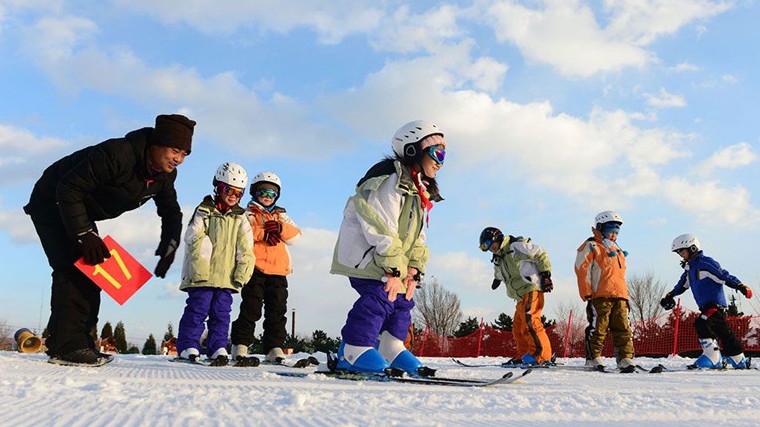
x: 553, y: 111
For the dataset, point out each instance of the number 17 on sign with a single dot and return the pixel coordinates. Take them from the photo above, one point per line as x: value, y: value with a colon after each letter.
x: 119, y: 276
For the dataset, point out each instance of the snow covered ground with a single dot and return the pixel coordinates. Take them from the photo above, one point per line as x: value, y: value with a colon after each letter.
x: 150, y: 391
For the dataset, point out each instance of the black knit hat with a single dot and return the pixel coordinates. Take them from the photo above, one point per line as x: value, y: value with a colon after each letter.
x: 174, y: 130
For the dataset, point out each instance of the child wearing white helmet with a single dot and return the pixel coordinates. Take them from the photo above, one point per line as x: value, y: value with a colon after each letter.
x: 706, y: 278
x: 219, y: 260
x: 381, y: 249
x: 273, y: 231
x: 600, y: 266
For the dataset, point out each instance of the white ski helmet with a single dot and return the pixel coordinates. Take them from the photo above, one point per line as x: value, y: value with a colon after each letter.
x: 406, y: 140
x: 686, y: 241
x: 267, y: 176
x: 607, y: 216
x: 231, y: 174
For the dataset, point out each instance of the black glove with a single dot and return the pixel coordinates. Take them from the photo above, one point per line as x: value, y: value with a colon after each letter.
x: 545, y: 279
x: 668, y: 303
x: 495, y: 284
x: 166, y: 250
x: 94, y: 251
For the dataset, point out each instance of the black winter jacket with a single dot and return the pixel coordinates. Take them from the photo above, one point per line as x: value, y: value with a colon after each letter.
x: 102, y: 182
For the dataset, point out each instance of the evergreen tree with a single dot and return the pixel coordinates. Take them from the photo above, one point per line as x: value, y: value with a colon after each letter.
x: 133, y: 350
x: 733, y: 309
x: 121, y: 338
x: 320, y: 342
x: 169, y: 332
x: 547, y: 323
x: 107, y: 331
x: 467, y: 327
x: 297, y: 344
x: 150, y: 345
x: 503, y: 322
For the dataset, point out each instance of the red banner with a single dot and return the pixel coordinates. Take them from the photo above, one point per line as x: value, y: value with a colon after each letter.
x: 120, y: 276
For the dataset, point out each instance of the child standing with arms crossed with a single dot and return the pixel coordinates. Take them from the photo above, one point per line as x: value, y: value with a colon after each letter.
x: 218, y: 261
x: 273, y: 230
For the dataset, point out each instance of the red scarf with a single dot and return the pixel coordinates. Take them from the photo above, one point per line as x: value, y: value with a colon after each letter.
x: 427, y: 205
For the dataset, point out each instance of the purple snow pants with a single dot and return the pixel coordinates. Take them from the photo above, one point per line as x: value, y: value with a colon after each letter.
x: 372, y: 313
x: 214, y: 303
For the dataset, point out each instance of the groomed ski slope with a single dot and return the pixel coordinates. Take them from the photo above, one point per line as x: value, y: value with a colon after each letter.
x: 150, y: 391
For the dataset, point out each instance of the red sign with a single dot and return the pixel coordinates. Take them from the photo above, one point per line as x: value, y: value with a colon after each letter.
x: 120, y: 276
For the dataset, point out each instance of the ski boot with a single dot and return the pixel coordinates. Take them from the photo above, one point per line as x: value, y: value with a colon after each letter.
x: 626, y: 365
x: 352, y: 358
x: 219, y: 358
x: 242, y: 359
x: 515, y: 361
x: 393, y: 350
x: 528, y: 361
x: 710, y: 358
x: 275, y: 356
x: 737, y: 361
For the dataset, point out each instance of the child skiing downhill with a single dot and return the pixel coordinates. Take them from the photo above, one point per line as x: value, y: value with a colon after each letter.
x: 273, y: 230
x: 218, y: 261
x: 706, y: 278
x: 526, y: 271
x: 381, y: 248
x: 600, y: 270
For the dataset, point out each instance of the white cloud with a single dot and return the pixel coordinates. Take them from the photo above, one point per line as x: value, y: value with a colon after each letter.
x: 568, y: 36
x: 729, y: 78
x: 220, y: 102
x: 332, y: 21
x: 731, y: 157
x: 406, y: 32
x: 684, y: 67
x: 711, y: 202
x: 21, y: 153
x: 664, y: 99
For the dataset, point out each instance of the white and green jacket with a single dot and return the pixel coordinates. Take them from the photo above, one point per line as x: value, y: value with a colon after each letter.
x: 219, y: 248
x: 517, y: 264
x: 382, y: 228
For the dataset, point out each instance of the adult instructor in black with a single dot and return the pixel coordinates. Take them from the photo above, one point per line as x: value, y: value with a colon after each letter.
x: 93, y: 184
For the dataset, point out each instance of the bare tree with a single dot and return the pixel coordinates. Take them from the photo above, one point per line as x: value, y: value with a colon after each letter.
x: 437, y: 308
x: 568, y: 311
x: 6, y: 336
x: 645, y: 293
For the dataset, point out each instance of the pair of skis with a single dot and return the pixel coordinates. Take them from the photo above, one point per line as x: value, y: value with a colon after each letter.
x: 390, y: 376
x: 425, y: 376
x: 555, y: 366
x: 251, y: 363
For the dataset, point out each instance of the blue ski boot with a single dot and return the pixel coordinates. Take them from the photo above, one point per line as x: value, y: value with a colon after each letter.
x: 354, y: 358
x: 710, y: 358
x: 393, y: 350
x: 738, y: 361
x: 528, y: 361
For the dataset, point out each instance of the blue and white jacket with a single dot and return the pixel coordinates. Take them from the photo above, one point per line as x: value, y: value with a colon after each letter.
x: 706, y: 278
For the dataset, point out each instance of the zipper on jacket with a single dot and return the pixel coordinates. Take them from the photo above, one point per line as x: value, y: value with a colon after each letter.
x: 364, y: 255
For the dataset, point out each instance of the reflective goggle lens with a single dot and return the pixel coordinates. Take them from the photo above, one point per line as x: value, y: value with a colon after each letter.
x: 266, y: 192
x: 486, y: 245
x: 229, y: 190
x: 437, y: 153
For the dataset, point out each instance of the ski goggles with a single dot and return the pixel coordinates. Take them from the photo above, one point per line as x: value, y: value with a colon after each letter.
x: 228, y: 190
x: 437, y: 153
x: 266, y: 192
x: 486, y: 245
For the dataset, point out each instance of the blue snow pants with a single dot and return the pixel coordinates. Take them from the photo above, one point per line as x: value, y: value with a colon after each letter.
x: 212, y: 303
x: 372, y: 313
